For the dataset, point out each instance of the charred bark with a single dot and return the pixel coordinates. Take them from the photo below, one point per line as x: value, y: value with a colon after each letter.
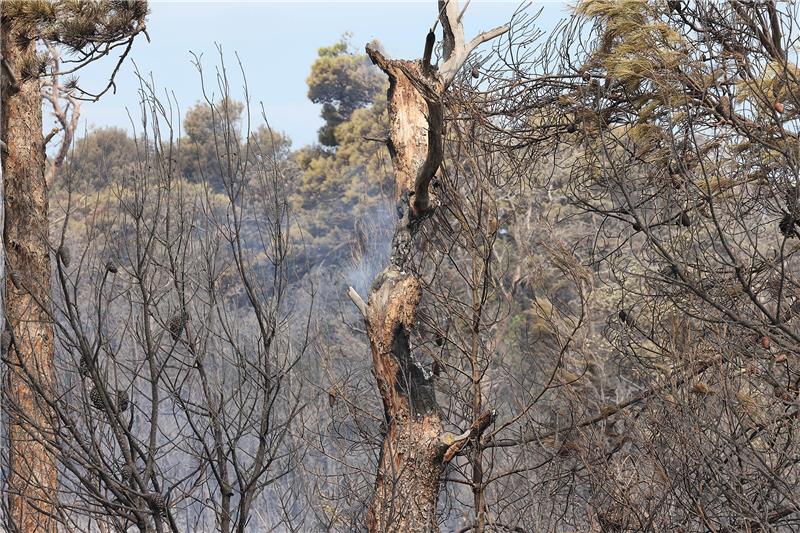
x: 415, y: 449
x: 29, y: 360
x: 407, y: 483
x: 416, y: 128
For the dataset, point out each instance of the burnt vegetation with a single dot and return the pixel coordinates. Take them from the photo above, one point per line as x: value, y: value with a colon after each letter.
x: 532, y: 281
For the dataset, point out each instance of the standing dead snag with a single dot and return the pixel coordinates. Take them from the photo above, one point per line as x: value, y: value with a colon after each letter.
x: 414, y: 447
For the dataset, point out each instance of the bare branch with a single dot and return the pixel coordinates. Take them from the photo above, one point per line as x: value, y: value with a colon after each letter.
x: 456, y: 52
x: 430, y: 40
x: 358, y: 301
x: 476, y: 429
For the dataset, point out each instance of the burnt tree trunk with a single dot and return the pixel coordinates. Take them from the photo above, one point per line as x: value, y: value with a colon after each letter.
x: 29, y: 358
x: 415, y: 449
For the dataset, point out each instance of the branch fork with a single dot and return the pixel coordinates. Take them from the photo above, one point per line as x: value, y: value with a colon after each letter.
x: 456, y: 50
x: 475, y: 431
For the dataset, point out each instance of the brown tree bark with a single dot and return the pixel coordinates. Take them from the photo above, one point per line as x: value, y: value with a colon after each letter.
x: 415, y: 450
x: 32, y: 480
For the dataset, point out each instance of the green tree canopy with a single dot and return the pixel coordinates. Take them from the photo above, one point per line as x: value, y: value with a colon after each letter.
x: 342, y: 81
x: 89, y: 30
x: 210, y: 129
x: 102, y: 154
x: 349, y: 174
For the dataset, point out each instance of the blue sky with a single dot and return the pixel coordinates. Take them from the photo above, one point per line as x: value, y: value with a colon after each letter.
x: 277, y: 42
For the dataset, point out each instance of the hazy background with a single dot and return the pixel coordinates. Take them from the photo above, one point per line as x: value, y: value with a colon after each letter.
x: 277, y: 42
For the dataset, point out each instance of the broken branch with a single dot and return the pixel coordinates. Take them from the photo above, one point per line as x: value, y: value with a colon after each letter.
x: 476, y: 429
x: 377, y: 58
x: 455, y: 51
x: 486, y: 36
x: 358, y: 301
x: 50, y: 135
x: 430, y: 40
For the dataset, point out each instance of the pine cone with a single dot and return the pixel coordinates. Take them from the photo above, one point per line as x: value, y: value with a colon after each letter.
x: 177, y: 324
x: 669, y: 272
x: 14, y: 280
x: 439, y: 339
x: 158, y: 503
x: 126, y: 473
x: 96, y: 398
x: 122, y: 401
x: 83, y: 367
x: 626, y: 318
x: 792, y: 202
x: 786, y: 225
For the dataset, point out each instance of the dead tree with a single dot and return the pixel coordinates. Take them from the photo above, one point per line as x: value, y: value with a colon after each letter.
x: 177, y: 401
x: 682, y: 122
x: 414, y: 451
